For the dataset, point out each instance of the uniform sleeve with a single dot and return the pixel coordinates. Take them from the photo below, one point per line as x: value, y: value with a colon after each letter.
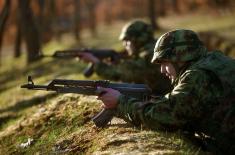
x: 175, y: 110
x: 107, y: 71
x: 128, y: 70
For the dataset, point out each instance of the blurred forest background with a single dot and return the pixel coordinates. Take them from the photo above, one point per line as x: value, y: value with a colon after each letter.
x: 39, y: 122
x: 36, y: 22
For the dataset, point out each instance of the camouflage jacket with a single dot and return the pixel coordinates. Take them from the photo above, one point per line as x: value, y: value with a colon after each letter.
x: 137, y: 69
x: 202, y: 101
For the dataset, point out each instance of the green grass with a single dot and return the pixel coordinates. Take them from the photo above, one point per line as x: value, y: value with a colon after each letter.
x: 61, y: 124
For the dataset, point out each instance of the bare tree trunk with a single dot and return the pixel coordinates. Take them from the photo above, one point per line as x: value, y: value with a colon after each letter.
x: 52, y: 10
x: 220, y: 2
x: 30, y: 31
x: 152, y: 14
x: 18, y: 39
x: 56, y: 28
x: 77, y: 19
x: 51, y: 17
x: 176, y: 5
x: 92, y: 17
x: 3, y: 19
x: 46, y: 18
x: 108, y: 13
x: 135, y: 9
x: 162, y: 10
x: 40, y: 19
x: 41, y: 4
x: 140, y: 4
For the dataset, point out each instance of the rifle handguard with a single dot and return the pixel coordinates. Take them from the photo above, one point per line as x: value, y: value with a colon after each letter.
x: 104, y: 117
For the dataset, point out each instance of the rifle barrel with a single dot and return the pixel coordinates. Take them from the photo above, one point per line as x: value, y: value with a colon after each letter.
x: 36, y: 87
x: 89, y: 87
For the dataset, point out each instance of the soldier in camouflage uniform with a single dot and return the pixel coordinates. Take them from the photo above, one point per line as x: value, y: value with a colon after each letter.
x: 138, y: 40
x: 202, y: 100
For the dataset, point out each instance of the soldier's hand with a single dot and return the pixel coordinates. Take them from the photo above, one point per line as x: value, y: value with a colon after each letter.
x: 88, y: 57
x: 109, y: 97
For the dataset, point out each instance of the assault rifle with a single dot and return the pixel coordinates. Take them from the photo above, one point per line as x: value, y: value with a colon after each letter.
x: 89, y: 87
x: 102, y: 54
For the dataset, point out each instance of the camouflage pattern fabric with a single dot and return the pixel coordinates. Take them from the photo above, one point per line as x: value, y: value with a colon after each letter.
x: 137, y: 31
x: 202, y: 100
x: 178, y: 46
x: 138, y: 70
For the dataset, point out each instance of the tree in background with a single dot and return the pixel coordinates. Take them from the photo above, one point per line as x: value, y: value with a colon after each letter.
x: 152, y: 14
x: 41, y: 18
x: 108, y: 12
x: 41, y: 4
x: 18, y: 38
x: 77, y: 19
x: 3, y: 19
x: 45, y: 19
x: 176, y: 5
x: 56, y: 17
x: 90, y: 4
x: 162, y: 8
x: 30, y: 31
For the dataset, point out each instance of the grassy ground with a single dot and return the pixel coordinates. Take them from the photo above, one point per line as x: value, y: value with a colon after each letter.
x: 37, y: 122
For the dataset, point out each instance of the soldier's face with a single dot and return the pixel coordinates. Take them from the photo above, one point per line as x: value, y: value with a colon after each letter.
x: 168, y: 69
x: 129, y: 46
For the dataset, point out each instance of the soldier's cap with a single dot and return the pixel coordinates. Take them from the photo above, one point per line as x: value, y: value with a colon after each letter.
x: 178, y: 40
x: 135, y: 29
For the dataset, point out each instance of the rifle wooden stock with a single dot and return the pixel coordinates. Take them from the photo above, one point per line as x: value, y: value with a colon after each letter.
x: 89, y: 87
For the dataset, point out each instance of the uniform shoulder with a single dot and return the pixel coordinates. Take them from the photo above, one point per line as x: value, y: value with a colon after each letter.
x: 194, y: 74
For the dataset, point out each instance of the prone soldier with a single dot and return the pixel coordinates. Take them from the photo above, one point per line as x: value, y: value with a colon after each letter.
x: 202, y: 100
x: 138, y: 40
